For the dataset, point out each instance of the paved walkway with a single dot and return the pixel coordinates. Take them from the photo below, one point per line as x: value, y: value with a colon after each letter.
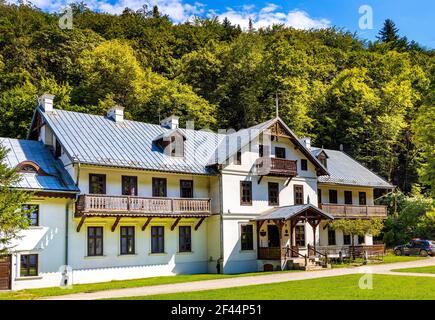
x: 250, y: 280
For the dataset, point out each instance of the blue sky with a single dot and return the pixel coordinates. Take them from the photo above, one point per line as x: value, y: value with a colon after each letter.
x: 415, y: 19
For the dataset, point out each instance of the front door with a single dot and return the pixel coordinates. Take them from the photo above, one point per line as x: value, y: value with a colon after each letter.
x: 5, y: 272
x: 273, y: 235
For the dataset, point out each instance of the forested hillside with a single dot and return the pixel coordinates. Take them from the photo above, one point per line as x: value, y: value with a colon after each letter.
x: 376, y: 99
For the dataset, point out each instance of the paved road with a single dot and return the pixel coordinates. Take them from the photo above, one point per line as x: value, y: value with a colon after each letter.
x: 247, y: 281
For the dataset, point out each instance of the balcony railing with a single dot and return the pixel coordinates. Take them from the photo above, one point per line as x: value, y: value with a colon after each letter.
x: 104, y: 204
x: 276, y: 167
x: 354, y: 211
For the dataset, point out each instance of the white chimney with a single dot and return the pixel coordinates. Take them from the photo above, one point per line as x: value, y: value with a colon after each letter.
x: 116, y: 113
x: 45, y: 102
x: 306, y: 141
x: 170, y: 122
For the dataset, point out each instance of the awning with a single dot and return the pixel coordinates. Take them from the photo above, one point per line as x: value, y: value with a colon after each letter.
x: 295, y: 211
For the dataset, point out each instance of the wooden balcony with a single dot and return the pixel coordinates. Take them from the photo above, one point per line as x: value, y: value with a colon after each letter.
x: 354, y: 211
x: 104, y: 205
x: 267, y: 166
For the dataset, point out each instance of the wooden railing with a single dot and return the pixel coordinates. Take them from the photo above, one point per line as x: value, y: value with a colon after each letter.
x: 354, y: 211
x: 274, y: 166
x: 131, y: 204
x: 356, y: 251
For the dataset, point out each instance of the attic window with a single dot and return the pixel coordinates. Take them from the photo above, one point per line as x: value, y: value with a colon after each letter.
x: 171, y: 143
x: 30, y: 167
x: 176, y: 147
x: 322, y: 158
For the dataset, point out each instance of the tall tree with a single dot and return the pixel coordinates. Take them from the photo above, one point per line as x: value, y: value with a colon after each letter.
x: 12, y: 219
x: 389, y: 32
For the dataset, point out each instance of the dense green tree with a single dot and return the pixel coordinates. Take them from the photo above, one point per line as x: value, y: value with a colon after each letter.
x: 12, y: 219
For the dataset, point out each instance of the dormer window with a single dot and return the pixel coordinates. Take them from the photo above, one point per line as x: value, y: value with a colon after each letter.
x: 322, y: 157
x: 171, y: 143
x: 30, y: 167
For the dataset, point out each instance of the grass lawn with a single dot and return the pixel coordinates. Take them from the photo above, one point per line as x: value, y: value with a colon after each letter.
x: 330, y: 288
x: 429, y: 269
x: 390, y: 257
x: 92, y: 287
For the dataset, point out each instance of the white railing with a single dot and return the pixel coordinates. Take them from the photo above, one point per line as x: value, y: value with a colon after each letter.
x: 112, y: 204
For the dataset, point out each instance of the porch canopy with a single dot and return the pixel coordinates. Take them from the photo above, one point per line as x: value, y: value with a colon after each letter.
x: 294, y: 214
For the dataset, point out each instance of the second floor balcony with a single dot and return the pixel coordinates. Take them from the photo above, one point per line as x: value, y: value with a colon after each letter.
x: 101, y: 205
x: 354, y: 211
x: 267, y: 166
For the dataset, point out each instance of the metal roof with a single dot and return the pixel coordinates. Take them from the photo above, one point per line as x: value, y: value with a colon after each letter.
x: 288, y: 212
x: 347, y: 171
x: 56, y: 178
x: 97, y: 140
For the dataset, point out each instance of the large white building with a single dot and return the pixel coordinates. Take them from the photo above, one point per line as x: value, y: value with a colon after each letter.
x: 120, y: 199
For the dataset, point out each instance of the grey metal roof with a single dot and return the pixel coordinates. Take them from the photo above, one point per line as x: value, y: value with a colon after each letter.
x: 347, y: 171
x: 288, y: 212
x: 97, y: 140
x: 57, y: 179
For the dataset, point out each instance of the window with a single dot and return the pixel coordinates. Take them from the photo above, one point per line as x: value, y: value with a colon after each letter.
x: 361, y: 239
x: 157, y: 239
x: 279, y: 152
x: 322, y: 158
x: 185, y: 238
x: 97, y: 183
x: 304, y: 164
x: 261, y: 150
x: 57, y: 149
x: 32, y: 213
x: 95, y: 241
x: 159, y: 187
x: 245, y: 193
x: 29, y: 265
x: 186, y: 188
x: 331, y: 237
x: 362, y: 198
x: 332, y: 196
x: 273, y: 188
x: 127, y: 240
x: 177, y: 146
x: 348, y: 197
x: 346, y: 239
x: 319, y: 196
x: 238, y: 158
x: 129, y: 185
x: 300, y: 236
x: 298, y: 194
x: 247, y: 237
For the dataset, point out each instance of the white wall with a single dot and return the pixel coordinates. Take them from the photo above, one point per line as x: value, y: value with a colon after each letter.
x: 47, y: 240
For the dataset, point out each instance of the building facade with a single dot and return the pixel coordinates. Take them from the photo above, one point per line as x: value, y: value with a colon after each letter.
x: 132, y: 200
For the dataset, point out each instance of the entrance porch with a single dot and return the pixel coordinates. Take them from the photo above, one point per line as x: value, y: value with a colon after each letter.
x: 290, y: 235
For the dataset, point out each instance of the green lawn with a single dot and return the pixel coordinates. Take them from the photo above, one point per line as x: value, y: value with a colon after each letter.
x: 390, y: 257
x: 430, y: 269
x: 92, y: 287
x: 330, y: 288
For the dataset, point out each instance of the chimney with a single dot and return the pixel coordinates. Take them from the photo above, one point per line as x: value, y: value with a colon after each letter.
x: 170, y: 122
x: 45, y: 102
x: 116, y: 113
x: 306, y: 141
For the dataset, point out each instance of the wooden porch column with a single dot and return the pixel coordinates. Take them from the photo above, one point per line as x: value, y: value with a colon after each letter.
x: 314, y: 223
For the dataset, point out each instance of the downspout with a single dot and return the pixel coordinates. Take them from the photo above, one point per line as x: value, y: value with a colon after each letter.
x: 221, y: 212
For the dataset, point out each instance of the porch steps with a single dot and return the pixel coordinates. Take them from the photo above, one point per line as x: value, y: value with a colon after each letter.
x: 312, y: 264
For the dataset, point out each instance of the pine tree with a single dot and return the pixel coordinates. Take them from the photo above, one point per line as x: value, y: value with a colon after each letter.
x: 250, y: 25
x: 389, y: 32
x: 156, y: 13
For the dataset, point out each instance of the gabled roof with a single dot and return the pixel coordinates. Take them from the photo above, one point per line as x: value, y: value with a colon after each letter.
x: 347, y: 171
x: 245, y: 136
x: 53, y: 178
x: 289, y: 212
x: 97, y: 140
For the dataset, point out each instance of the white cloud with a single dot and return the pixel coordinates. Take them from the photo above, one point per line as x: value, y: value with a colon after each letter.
x: 179, y: 12
x: 270, y: 15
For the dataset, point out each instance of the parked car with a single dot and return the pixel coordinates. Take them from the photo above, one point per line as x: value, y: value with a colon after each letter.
x: 416, y: 247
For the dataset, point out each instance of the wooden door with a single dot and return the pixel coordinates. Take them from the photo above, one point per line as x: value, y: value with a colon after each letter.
x: 5, y: 272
